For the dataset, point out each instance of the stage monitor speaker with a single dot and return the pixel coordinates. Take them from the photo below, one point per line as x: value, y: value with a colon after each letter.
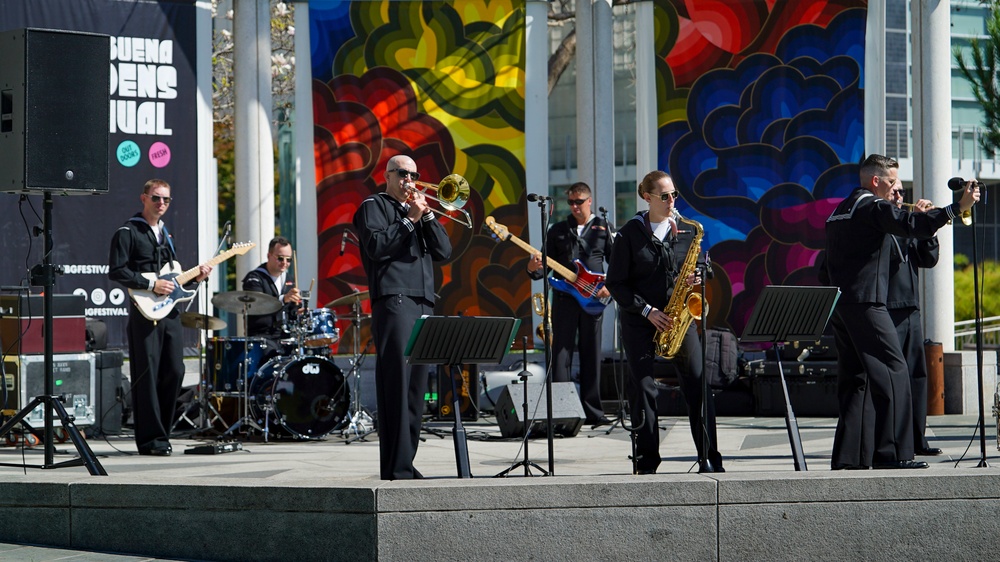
x: 468, y: 392
x: 54, y: 111
x: 567, y: 412
x: 108, y: 402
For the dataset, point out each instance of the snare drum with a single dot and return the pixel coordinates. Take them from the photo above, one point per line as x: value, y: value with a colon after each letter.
x: 319, y: 329
x: 306, y: 396
x: 228, y: 360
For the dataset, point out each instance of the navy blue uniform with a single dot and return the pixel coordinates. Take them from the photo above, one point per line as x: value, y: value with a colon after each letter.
x: 155, y: 349
x: 398, y: 257
x: 641, y: 277
x: 592, y: 247
x: 873, y: 389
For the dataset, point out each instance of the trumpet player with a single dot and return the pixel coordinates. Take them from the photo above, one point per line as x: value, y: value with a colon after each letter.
x: 645, y: 261
x: 875, y: 426
x: 906, y: 256
x: 400, y: 238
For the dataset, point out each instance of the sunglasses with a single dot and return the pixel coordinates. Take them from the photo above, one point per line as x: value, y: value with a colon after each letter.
x: 668, y: 195
x: 577, y: 201
x: 157, y: 199
x: 283, y: 259
x: 406, y: 174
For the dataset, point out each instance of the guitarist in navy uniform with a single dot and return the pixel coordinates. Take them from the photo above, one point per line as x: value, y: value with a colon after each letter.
x: 155, y: 349
x: 273, y: 278
x: 586, y: 237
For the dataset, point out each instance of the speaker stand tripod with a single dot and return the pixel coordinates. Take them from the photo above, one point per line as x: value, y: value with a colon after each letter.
x: 45, y: 274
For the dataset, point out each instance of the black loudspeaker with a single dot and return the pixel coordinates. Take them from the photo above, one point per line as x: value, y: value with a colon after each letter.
x: 54, y: 111
x: 108, y: 411
x: 567, y: 412
x: 468, y: 392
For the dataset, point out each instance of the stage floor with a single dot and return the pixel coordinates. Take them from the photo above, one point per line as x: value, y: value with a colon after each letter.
x: 749, y: 445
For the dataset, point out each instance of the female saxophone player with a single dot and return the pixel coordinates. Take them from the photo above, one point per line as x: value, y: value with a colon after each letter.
x: 645, y: 261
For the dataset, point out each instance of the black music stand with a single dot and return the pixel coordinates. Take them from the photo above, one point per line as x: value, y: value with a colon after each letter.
x: 784, y: 314
x: 455, y: 340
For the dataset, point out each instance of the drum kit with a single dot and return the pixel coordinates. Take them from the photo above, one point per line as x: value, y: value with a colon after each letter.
x: 297, y: 391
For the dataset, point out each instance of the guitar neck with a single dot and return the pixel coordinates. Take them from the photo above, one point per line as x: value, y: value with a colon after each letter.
x: 190, y: 274
x: 553, y: 264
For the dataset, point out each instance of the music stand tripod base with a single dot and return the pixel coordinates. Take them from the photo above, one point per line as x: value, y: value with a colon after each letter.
x: 455, y: 341
x: 785, y: 313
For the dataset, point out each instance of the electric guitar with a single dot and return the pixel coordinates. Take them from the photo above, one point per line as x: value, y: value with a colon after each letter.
x: 582, y: 285
x: 156, y: 307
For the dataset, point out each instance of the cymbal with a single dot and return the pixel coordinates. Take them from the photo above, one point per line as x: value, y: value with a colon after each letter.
x: 253, y: 302
x: 201, y: 321
x: 361, y: 317
x: 349, y: 299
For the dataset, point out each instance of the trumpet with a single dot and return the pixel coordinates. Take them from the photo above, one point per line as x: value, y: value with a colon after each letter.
x: 452, y: 194
x: 966, y: 215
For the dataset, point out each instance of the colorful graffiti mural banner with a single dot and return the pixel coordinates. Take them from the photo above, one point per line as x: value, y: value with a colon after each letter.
x: 442, y: 82
x: 761, y: 127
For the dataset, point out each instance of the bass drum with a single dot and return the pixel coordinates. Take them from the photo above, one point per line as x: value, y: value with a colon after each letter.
x: 306, y: 396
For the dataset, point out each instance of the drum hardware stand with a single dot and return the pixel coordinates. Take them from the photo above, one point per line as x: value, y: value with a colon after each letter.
x: 361, y: 424
x: 244, y: 378
x: 528, y: 422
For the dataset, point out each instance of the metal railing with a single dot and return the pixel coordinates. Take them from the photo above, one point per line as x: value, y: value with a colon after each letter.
x: 965, y: 333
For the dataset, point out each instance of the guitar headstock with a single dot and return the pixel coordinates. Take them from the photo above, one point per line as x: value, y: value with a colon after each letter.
x: 499, y: 230
x: 241, y: 248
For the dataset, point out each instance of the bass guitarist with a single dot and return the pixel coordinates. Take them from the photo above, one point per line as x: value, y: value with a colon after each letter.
x: 155, y: 348
x: 586, y: 237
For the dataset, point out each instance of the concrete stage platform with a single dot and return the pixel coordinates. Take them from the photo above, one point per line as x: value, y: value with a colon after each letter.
x: 322, y: 500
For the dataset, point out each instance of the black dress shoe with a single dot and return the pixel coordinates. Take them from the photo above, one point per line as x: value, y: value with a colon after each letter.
x: 157, y: 452
x: 929, y: 452
x: 645, y: 471
x: 902, y: 464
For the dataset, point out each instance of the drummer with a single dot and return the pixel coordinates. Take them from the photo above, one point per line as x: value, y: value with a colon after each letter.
x: 274, y: 278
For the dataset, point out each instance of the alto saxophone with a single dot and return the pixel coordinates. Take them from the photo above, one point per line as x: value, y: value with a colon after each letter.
x: 685, y: 303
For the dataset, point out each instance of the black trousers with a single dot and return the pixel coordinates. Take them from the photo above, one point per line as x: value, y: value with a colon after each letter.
x: 156, y: 360
x: 911, y: 341
x: 399, y: 388
x: 569, y: 319
x: 637, y: 337
x: 873, y: 389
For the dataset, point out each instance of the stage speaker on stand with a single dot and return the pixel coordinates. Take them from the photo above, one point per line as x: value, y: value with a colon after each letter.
x: 54, y: 91
x: 567, y: 412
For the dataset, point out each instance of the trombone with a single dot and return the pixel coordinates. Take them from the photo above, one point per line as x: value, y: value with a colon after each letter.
x: 452, y: 194
x: 966, y: 215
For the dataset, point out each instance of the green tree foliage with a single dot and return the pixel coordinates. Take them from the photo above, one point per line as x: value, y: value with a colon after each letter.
x: 981, y: 73
x: 965, y: 295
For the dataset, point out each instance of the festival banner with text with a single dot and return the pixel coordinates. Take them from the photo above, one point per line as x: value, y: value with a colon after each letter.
x: 153, y: 95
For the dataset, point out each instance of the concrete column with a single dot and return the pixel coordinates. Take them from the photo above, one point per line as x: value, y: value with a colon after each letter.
x: 645, y: 94
x: 254, y: 146
x: 536, y: 118
x: 603, y: 111
x: 932, y: 159
x: 306, y: 221
x: 585, y: 93
x: 875, y: 78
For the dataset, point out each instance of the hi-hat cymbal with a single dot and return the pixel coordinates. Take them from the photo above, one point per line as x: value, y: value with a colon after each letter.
x: 201, y: 321
x: 349, y: 299
x: 250, y: 301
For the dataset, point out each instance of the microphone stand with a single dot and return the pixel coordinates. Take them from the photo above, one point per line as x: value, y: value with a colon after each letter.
x: 704, y: 463
x: 548, y: 330
x: 617, y: 366
x: 979, y: 343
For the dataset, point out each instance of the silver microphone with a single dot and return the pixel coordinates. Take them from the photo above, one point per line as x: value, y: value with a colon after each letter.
x: 343, y: 242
